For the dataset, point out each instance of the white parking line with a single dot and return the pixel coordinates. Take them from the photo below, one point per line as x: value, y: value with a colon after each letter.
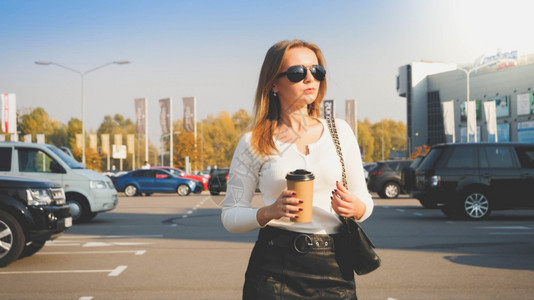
x: 115, y: 272
x: 102, y: 237
x: 130, y: 236
x: 118, y: 270
x: 86, y: 298
x: 56, y: 244
x: 104, y: 244
x: 505, y: 227
x: 135, y: 252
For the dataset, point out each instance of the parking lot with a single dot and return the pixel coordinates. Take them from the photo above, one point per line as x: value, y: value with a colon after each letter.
x: 170, y: 247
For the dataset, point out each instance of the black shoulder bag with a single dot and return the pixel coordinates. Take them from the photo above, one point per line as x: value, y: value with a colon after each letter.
x: 364, y: 258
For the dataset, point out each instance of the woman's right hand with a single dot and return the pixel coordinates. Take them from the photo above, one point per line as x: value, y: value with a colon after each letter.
x: 284, y: 206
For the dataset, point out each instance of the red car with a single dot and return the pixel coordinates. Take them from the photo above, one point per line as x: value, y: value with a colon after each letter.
x: 182, y: 173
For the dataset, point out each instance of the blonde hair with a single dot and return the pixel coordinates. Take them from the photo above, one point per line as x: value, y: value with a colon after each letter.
x: 267, y: 106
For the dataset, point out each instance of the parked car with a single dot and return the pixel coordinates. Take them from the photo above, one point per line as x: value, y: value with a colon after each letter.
x: 205, y: 173
x: 114, y: 173
x: 408, y: 174
x: 181, y: 173
x: 150, y: 181
x: 32, y: 211
x: 385, y: 178
x: 470, y: 180
x: 217, y: 181
x: 87, y: 191
x: 367, y: 167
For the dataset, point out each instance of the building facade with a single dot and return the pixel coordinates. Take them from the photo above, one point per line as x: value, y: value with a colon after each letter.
x: 507, y: 80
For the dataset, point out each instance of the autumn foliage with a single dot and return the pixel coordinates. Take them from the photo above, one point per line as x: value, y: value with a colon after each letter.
x: 216, y: 139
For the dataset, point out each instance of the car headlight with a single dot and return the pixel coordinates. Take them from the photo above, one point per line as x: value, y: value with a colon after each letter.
x: 97, y: 184
x: 38, y: 197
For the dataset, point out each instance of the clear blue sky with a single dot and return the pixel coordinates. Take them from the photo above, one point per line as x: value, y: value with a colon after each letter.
x: 213, y: 50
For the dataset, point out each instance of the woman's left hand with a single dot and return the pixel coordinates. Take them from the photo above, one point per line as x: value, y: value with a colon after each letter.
x: 346, y: 204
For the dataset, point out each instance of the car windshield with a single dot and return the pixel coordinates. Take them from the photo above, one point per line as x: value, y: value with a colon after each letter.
x: 428, y: 162
x: 416, y: 162
x: 71, y: 162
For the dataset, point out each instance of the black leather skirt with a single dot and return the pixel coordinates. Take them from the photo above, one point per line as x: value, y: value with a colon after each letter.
x: 292, y: 265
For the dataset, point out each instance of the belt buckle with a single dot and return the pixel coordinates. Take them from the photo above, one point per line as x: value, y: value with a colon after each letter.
x: 302, y: 243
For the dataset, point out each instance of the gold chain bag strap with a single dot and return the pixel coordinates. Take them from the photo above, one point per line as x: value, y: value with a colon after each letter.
x: 364, y: 258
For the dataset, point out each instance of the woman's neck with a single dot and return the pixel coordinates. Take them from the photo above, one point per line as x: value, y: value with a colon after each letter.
x: 296, y: 120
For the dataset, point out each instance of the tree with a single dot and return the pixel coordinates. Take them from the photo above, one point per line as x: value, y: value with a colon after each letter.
x: 39, y: 122
x: 119, y: 125
x: 389, y: 135
x: 241, y: 120
x: 423, y: 150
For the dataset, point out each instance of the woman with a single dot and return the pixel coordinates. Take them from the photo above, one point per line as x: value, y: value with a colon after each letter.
x: 295, y: 260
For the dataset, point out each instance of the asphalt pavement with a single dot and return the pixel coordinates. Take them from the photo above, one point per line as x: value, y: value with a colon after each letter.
x: 170, y: 247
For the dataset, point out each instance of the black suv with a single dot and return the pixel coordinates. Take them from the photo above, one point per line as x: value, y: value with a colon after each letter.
x: 408, y: 174
x: 217, y: 181
x: 470, y: 180
x: 31, y: 212
x: 385, y: 178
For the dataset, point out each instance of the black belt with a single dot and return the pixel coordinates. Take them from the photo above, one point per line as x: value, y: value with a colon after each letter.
x: 295, y: 241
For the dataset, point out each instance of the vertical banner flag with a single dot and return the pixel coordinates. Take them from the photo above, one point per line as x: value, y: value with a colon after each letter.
x: 448, y: 118
x: 105, y: 143
x: 189, y: 115
x: 140, y: 115
x: 350, y: 115
x: 491, y: 118
x: 130, y: 142
x: 117, y: 139
x: 79, y: 141
x: 40, y: 138
x: 471, y: 110
x: 92, y: 141
x: 8, y: 116
x: 164, y: 115
x: 328, y: 109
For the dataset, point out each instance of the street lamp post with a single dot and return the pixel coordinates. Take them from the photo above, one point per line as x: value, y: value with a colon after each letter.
x: 82, y: 75
x: 467, y: 74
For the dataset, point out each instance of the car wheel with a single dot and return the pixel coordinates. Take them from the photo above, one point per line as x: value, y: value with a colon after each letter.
x: 12, y: 239
x: 390, y: 190
x: 183, y: 190
x: 215, y: 193
x: 32, y: 249
x: 476, y: 205
x: 78, y: 209
x: 130, y: 190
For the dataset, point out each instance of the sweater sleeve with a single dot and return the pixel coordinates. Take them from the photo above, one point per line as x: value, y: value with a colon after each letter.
x: 237, y: 212
x: 354, y: 166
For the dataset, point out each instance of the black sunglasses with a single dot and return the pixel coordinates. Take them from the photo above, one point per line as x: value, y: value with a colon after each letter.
x: 298, y: 73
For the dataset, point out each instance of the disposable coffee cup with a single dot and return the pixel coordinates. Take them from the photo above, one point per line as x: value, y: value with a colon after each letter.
x: 301, y: 181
